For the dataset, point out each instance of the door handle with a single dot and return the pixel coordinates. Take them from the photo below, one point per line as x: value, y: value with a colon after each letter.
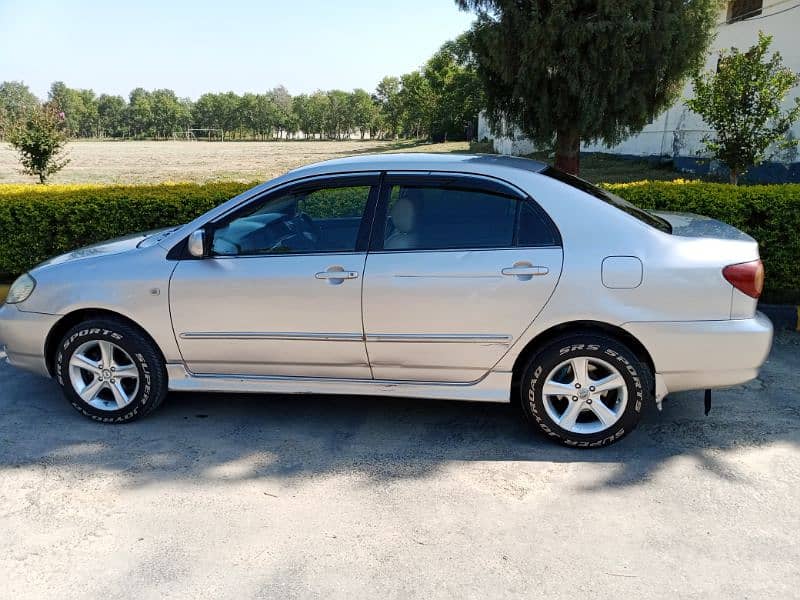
x: 524, y: 271
x: 336, y: 275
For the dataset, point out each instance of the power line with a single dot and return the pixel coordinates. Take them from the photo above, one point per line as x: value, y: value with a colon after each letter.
x: 776, y: 13
x: 758, y: 11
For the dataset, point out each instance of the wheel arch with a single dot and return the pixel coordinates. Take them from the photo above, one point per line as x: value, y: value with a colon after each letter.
x: 78, y: 316
x: 575, y: 327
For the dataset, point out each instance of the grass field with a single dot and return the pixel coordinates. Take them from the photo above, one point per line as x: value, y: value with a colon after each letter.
x: 607, y: 168
x: 151, y: 162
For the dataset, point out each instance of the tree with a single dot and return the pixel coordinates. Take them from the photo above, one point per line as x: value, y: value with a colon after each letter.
x: 572, y: 71
x: 456, y: 88
x: 338, y: 117
x: 16, y: 101
x: 40, y: 140
x: 318, y: 104
x: 741, y: 102
x: 363, y: 111
x: 388, y: 95
x: 140, y: 112
x: 111, y: 115
x: 417, y: 101
x: 282, y: 109
x: 80, y: 109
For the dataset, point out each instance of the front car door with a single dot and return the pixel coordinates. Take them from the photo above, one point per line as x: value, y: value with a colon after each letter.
x: 459, y: 266
x: 280, y: 293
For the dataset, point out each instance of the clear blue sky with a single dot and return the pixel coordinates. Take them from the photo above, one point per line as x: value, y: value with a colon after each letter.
x: 219, y: 45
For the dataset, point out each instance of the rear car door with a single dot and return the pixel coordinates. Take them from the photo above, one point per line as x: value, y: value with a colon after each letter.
x: 280, y: 294
x: 459, y: 266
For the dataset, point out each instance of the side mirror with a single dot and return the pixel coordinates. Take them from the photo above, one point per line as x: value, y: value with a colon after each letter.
x: 197, y: 243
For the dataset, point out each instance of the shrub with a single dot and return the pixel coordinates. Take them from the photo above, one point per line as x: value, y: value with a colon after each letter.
x: 37, y: 222
x: 769, y: 213
x: 40, y: 139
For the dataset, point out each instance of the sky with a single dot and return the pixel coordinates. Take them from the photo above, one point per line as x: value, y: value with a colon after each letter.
x: 202, y: 46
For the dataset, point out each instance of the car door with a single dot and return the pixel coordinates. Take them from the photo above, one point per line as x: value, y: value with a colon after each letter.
x: 280, y: 292
x: 459, y: 266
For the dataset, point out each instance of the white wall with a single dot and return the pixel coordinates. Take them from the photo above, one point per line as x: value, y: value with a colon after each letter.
x: 678, y: 131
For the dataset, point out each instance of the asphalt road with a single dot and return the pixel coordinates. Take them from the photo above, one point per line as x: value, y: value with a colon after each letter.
x: 332, y: 497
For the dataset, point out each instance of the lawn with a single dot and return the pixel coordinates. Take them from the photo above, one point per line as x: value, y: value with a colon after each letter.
x: 153, y: 162
x: 608, y: 168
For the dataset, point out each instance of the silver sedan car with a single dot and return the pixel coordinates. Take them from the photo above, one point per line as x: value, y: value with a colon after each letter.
x: 461, y: 277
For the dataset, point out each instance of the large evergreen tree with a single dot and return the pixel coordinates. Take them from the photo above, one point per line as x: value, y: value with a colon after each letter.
x: 585, y: 70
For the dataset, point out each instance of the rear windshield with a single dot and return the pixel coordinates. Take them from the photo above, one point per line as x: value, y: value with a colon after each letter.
x: 609, y: 198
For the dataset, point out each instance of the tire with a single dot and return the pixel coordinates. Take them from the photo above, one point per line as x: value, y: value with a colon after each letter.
x: 575, y: 418
x: 132, y: 382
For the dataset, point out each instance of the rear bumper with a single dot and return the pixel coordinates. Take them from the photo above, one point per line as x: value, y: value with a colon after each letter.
x: 23, y: 335
x: 706, y: 354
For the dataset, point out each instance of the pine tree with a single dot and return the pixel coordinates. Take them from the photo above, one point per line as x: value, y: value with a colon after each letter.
x: 568, y: 71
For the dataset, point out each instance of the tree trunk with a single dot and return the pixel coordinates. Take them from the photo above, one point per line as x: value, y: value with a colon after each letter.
x: 568, y: 151
x: 734, y: 177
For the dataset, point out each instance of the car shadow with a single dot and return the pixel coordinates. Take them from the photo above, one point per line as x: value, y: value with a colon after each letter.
x: 233, y: 437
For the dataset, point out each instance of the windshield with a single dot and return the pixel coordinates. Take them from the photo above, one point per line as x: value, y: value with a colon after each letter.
x: 609, y: 198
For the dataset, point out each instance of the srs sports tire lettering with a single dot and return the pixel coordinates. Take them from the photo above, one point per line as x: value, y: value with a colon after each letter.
x: 152, y: 388
x: 638, y: 381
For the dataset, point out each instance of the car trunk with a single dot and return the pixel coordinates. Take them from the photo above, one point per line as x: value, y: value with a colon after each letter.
x: 721, y: 245
x: 699, y: 226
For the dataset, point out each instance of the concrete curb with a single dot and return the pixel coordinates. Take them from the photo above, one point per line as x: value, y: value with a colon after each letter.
x: 783, y: 316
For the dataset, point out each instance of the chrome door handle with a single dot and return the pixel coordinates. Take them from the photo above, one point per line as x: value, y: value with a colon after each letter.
x: 525, y: 271
x: 336, y: 275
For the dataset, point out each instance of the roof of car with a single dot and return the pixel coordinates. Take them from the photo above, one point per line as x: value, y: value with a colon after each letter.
x: 421, y: 161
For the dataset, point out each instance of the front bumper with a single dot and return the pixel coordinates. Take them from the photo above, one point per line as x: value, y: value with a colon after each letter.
x: 693, y: 355
x: 23, y: 335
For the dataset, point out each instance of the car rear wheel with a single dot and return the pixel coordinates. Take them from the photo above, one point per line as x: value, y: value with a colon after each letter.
x: 585, y: 390
x: 110, y: 371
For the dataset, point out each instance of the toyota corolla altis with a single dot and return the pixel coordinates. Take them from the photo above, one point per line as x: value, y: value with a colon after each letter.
x: 432, y: 276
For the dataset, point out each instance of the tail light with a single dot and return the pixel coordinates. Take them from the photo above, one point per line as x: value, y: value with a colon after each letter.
x: 747, y: 277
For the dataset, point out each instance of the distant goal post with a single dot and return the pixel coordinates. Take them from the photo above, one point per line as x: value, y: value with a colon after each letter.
x: 200, y: 133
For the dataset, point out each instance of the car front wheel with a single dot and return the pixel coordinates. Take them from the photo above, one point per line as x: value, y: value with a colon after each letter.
x: 585, y: 390
x: 110, y: 371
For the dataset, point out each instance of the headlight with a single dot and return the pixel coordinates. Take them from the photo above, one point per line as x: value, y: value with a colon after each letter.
x: 21, y: 289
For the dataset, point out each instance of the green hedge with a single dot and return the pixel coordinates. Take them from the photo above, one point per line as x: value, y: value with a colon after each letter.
x: 769, y: 213
x: 37, y: 222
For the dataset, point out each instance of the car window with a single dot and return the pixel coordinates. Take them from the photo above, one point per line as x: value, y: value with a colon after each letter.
x: 419, y: 217
x: 431, y: 218
x: 608, y: 198
x: 535, y: 229
x: 324, y: 219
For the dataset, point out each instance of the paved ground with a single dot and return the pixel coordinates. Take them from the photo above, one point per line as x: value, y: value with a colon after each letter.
x: 240, y: 497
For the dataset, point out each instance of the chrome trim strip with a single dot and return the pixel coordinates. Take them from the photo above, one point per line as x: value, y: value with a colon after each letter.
x: 415, y: 338
x: 424, y: 338
x: 272, y: 335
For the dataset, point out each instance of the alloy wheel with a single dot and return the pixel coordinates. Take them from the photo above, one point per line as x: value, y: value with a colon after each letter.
x: 585, y: 395
x: 103, y: 375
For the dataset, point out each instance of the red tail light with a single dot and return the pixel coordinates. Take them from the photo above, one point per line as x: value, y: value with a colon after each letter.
x: 747, y: 277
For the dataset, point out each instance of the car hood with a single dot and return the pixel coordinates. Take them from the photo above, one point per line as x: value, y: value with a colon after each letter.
x: 115, y: 246
x: 698, y: 226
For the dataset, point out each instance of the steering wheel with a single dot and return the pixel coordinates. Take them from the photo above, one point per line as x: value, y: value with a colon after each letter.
x: 311, y: 227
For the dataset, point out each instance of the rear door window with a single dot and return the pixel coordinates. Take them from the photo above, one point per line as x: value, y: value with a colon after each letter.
x: 438, y: 217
